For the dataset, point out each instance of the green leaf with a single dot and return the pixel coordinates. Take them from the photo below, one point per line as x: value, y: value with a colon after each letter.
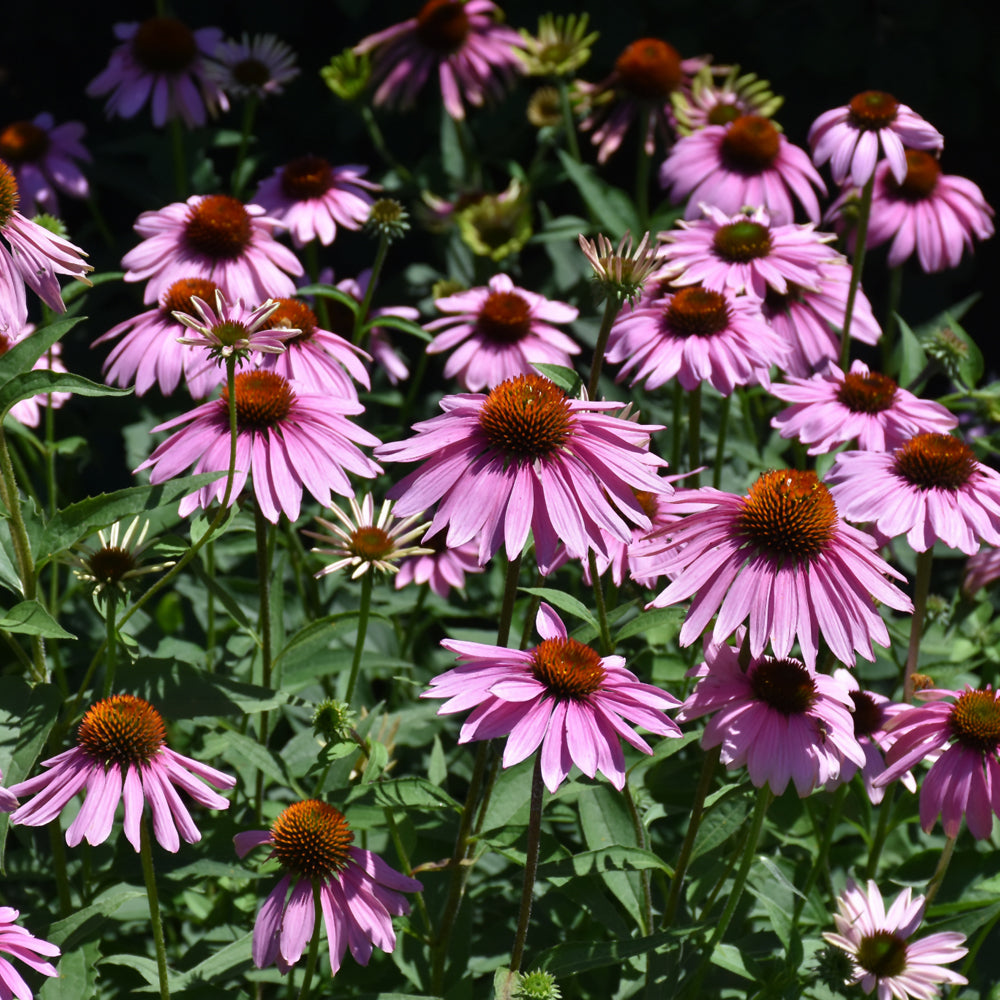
x: 329, y: 292
x: 575, y: 957
x: 606, y: 823
x: 603, y: 860
x: 567, y: 379
x: 90, y: 922
x: 413, y: 793
x: 29, y: 384
x: 646, y: 621
x: 728, y: 957
x: 398, y: 323
x: 19, y: 359
x: 726, y: 815
x: 77, y: 974
x: 564, y: 602
x: 611, y: 206
x: 913, y: 359
x: 218, y: 963
x: 30, y: 618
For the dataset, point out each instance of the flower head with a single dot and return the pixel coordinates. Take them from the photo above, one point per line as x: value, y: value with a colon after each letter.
x: 620, y: 274
x: 44, y: 158
x: 116, y: 562
x: 745, y: 163
x: 561, y: 696
x: 981, y: 569
x: 929, y: 213
x: 253, y: 67
x: 214, y: 237
x: 473, y: 53
x: 358, y: 892
x: 527, y: 458
x: 25, y: 947
x: 961, y: 730
x: 163, y: 61
x: 851, y: 137
x: 782, y: 557
x: 499, y: 331
x: 833, y: 407
x: 931, y: 488
x: 365, y: 542
x: 882, y: 956
x: 696, y: 335
x: 121, y: 739
x: 709, y: 101
x: 30, y: 255
x: 387, y: 218
x: 309, y: 197
x: 778, y: 717
x: 288, y: 439
x: 496, y: 225
x: 149, y: 352
x: 561, y: 46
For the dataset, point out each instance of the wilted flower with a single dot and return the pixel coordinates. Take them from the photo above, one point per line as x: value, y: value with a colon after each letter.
x: 233, y: 329
x: 347, y: 74
x: 620, y: 274
x: 497, y: 226
x: 254, y: 67
x: 116, y: 562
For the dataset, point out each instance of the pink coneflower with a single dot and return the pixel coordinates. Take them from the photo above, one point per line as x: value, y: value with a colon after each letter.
x: 121, y: 739
x: 527, y: 458
x: 8, y: 802
x: 881, y: 956
x: 358, y: 892
x: 777, y: 717
x: 441, y: 567
x: 850, y: 137
x: 561, y: 696
x: 215, y: 237
x: 695, y: 335
x: 809, y: 321
x: 25, y: 947
x: 474, y: 55
x: 981, y: 569
x: 831, y: 408
x: 149, y: 354
x: 29, y: 411
x: 782, y: 557
x: 711, y: 101
x: 43, y: 157
x: 930, y: 488
x: 646, y: 73
x: 747, y: 163
x: 744, y: 252
x: 255, y: 66
x: 500, y: 331
x: 929, y: 213
x: 288, y: 439
x: 310, y: 198
x: 32, y: 256
x: 871, y: 712
x: 163, y: 61
x: 315, y: 359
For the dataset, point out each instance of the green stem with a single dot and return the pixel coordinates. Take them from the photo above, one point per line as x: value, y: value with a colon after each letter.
x: 359, y: 642
x: 891, y: 313
x: 857, y: 266
x: 939, y: 872
x: 881, y: 831
x: 720, y: 446
x: 708, y: 766
x: 921, y: 588
x: 694, y: 437
x: 507, y: 604
x: 146, y: 854
x: 677, y: 433
x: 58, y: 848
x: 569, y: 122
x: 180, y: 161
x: 249, y: 112
x: 313, y: 946
x: 111, y: 641
x: 642, y: 169
x: 262, y: 533
x: 611, y: 307
x: 607, y: 646
x: 530, y: 864
x: 378, y: 141
x: 210, y: 609
x: 407, y: 868
x: 415, y: 619
x: 644, y: 876
x: 362, y: 314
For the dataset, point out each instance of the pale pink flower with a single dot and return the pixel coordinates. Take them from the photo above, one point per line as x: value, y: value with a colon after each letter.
x: 8, y: 802
x: 358, y: 892
x: 255, y: 66
x: 744, y: 252
x: 782, y: 557
x: 561, y: 696
x: 215, y: 237
x: 831, y: 408
x: 149, y: 354
x: 746, y: 163
x: 30, y: 255
x: 288, y: 440
x: 473, y: 53
x: 121, y: 754
x: 882, y: 957
x: 441, y: 568
x: 695, y: 335
x: 499, y: 331
x: 981, y: 569
x: 161, y: 60
x: 44, y: 158
x: 310, y: 198
x: 931, y: 488
x: 718, y: 95
x: 850, y: 137
x: 779, y: 718
x: 929, y: 213
x: 527, y: 458
x: 18, y: 943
